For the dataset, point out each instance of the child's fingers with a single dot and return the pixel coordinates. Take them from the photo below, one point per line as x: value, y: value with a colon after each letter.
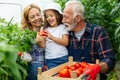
x: 42, y: 33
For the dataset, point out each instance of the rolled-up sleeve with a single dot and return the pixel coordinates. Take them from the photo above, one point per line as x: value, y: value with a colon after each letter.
x: 106, y: 53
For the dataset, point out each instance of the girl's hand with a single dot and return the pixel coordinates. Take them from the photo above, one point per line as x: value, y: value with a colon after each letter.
x: 49, y: 35
x: 43, y: 33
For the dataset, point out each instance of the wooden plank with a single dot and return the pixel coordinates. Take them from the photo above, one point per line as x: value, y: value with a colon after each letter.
x: 98, y: 75
x: 42, y: 77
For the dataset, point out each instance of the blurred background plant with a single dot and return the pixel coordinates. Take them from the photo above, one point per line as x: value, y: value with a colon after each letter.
x: 13, y: 40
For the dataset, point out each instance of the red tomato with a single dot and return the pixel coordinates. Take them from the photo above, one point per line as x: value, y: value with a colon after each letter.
x: 80, y: 69
x: 64, y: 72
x: 19, y: 53
x: 87, y: 65
x: 42, y: 33
x: 73, y: 67
x: 83, y: 64
x: 66, y: 67
x: 45, y: 67
x: 78, y: 72
x: 84, y: 69
x: 38, y: 33
x: 61, y: 73
x: 77, y: 65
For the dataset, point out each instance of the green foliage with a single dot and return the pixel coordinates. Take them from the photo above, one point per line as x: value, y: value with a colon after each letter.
x: 61, y: 2
x: 12, y: 40
x: 9, y: 68
x: 105, y: 13
x: 22, y: 39
x: 117, y: 41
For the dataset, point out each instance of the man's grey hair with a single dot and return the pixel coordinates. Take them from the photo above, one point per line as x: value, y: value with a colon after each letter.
x: 78, y: 8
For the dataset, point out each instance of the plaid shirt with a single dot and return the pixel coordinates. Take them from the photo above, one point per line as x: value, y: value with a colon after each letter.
x: 94, y: 44
x: 37, y: 54
x: 38, y: 57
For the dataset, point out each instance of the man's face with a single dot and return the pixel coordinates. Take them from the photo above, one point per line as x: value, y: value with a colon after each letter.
x: 68, y: 19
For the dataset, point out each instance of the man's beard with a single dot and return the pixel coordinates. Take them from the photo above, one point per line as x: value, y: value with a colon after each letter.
x: 70, y: 27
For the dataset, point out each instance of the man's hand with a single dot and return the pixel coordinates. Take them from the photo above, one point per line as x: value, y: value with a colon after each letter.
x: 91, y: 72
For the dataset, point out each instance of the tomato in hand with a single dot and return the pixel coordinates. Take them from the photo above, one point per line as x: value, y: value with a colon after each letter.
x: 42, y: 33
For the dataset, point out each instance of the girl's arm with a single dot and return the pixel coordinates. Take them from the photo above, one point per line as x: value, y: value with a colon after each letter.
x: 64, y: 41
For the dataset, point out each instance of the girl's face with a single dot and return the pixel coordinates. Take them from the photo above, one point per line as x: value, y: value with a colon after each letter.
x: 51, y: 18
x: 35, y: 17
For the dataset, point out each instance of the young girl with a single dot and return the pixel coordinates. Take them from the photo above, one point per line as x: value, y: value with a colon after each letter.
x: 56, y: 36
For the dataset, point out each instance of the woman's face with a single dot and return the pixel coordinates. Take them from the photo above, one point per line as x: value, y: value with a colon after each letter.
x: 35, y: 17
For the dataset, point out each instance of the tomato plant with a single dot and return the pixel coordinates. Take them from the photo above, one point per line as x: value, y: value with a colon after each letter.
x: 12, y: 40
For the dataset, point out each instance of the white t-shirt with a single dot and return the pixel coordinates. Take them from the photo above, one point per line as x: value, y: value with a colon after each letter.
x: 79, y: 34
x: 54, y: 50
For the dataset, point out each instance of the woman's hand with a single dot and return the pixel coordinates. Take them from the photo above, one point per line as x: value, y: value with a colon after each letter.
x: 40, y: 39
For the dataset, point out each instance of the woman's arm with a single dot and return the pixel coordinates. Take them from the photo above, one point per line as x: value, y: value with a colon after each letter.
x: 40, y: 41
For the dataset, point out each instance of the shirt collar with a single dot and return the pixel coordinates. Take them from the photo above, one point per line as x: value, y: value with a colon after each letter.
x: 88, y: 27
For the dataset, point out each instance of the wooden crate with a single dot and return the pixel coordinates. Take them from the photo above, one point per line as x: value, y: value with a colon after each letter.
x: 48, y: 75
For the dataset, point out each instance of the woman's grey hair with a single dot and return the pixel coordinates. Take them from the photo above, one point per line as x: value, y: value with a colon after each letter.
x: 78, y: 8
